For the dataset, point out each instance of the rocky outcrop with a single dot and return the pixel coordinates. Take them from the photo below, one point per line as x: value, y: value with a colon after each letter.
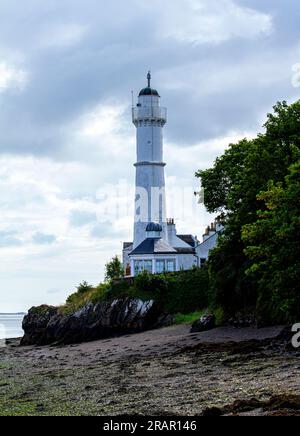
x: 36, y: 322
x: 47, y: 325
x: 204, y: 324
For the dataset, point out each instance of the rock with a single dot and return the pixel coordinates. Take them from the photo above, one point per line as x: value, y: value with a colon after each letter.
x: 204, y: 324
x: 48, y: 326
x: 35, y: 325
x: 212, y: 411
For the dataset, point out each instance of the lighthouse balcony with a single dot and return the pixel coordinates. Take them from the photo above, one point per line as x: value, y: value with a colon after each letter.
x: 149, y: 114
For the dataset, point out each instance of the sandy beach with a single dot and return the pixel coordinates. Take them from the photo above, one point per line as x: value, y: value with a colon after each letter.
x: 161, y: 372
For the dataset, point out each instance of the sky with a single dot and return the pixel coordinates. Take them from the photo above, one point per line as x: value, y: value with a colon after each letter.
x: 67, y: 144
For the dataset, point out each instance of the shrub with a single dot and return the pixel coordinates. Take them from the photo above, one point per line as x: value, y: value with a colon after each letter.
x: 181, y: 292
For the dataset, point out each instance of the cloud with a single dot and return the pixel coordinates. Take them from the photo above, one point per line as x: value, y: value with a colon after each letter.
x: 213, y: 21
x: 43, y: 239
x: 104, y: 230
x: 80, y: 218
x: 67, y: 144
x: 12, y: 77
x: 9, y: 239
x: 62, y: 35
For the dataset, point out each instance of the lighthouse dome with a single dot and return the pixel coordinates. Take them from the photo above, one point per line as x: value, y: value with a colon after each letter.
x: 148, y: 91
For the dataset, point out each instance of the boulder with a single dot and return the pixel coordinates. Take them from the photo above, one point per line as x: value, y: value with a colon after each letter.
x: 35, y: 324
x: 205, y: 323
x: 93, y: 321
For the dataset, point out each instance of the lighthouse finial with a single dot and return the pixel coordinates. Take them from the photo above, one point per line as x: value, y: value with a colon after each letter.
x: 149, y: 79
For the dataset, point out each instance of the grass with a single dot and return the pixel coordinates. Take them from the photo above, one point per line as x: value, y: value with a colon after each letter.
x: 188, y: 318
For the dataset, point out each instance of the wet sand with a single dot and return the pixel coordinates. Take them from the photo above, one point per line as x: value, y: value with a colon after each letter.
x: 161, y: 372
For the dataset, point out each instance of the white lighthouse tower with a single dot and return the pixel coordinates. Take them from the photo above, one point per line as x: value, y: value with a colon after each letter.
x: 156, y: 247
x: 149, y: 119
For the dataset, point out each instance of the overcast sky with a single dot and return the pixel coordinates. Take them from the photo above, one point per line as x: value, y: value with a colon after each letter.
x: 67, y: 145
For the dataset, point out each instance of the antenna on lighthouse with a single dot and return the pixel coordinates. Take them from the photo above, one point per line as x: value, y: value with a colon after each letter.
x: 149, y: 79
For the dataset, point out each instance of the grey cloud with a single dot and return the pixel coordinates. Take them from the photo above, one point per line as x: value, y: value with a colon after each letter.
x: 112, y: 58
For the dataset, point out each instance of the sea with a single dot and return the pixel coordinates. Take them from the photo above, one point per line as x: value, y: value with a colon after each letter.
x: 11, y: 326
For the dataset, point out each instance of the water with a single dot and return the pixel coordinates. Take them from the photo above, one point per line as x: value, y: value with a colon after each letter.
x: 11, y: 326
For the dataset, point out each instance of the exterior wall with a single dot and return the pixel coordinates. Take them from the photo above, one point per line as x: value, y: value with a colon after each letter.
x: 153, y: 258
x: 209, y: 244
x: 126, y: 258
x: 150, y: 203
x: 187, y: 261
x: 148, y: 134
x: 182, y: 261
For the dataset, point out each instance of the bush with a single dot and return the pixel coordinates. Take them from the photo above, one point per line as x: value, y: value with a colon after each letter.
x: 189, y: 318
x: 117, y: 289
x: 181, y: 292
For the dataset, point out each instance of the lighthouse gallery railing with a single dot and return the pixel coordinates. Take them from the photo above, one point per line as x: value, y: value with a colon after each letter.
x: 149, y: 113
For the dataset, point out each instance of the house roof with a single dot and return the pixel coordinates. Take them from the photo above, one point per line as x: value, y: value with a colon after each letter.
x: 153, y: 246
x: 189, y: 239
x: 185, y: 250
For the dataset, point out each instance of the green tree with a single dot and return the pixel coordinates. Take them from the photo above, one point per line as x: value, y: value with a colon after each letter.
x: 83, y: 288
x: 114, y: 270
x: 231, y: 189
x: 82, y: 292
x: 273, y: 246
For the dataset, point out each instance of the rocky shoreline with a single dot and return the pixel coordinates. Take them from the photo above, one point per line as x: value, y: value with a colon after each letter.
x: 168, y: 371
x: 46, y: 325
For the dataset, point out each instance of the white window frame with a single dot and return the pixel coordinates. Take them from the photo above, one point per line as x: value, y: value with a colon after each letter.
x: 155, y: 258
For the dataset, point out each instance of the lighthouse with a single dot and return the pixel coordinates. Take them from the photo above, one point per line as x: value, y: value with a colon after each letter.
x: 149, y: 119
x: 156, y: 246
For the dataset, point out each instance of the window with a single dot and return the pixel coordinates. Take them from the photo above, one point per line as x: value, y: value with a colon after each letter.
x: 171, y: 266
x: 148, y: 266
x: 138, y: 266
x: 142, y: 265
x: 163, y: 265
x: 160, y: 266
